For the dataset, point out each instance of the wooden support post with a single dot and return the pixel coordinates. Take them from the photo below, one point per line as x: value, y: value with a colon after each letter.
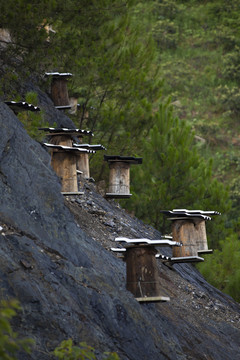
x: 142, y: 272
x: 64, y: 164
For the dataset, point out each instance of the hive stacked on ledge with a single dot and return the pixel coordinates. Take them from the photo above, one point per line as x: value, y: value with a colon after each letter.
x: 83, y: 159
x: 189, y: 227
x: 189, y: 239
x: 59, y: 88
x: 69, y: 158
x: 119, y: 175
x: 141, y: 266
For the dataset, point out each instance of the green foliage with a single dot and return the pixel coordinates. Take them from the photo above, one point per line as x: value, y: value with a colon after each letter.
x: 107, y: 45
x: 8, y: 84
x: 221, y: 269
x: 26, y: 22
x: 165, y: 30
x: 166, y: 34
x: 173, y: 175
x: 230, y: 99
x: 201, y: 76
x: 231, y: 62
x: 10, y: 344
x: 120, y: 77
x: 67, y: 351
x: 32, y: 121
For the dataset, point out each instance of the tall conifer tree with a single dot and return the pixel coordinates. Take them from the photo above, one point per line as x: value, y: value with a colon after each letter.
x: 174, y: 175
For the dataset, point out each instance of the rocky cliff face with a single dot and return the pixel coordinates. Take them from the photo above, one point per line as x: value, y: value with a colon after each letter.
x: 55, y: 258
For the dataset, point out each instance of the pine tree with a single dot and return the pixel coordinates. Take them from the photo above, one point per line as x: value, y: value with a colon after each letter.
x: 221, y: 269
x: 107, y: 45
x: 173, y: 175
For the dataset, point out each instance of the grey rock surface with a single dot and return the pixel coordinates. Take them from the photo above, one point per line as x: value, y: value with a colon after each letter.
x: 55, y: 258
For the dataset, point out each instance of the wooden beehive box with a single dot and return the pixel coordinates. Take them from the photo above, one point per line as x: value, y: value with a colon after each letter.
x: 143, y: 279
x: 189, y: 227
x: 119, y: 175
x: 63, y: 162
x: 83, y: 158
x: 142, y: 272
x: 59, y: 88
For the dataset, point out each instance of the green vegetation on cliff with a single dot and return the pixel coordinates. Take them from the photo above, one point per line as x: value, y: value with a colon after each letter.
x: 120, y: 52
x: 199, y: 60
x: 10, y: 343
x: 198, y: 43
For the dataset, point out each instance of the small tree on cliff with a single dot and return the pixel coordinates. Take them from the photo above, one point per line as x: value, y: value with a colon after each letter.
x: 221, y: 269
x: 10, y: 343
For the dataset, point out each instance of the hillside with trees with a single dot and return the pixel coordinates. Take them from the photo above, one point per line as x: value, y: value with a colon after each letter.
x: 198, y: 46
x: 156, y: 79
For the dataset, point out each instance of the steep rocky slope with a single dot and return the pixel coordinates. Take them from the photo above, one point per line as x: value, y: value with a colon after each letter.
x: 55, y: 258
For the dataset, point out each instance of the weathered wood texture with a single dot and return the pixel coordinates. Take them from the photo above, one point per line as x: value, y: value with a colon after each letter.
x: 59, y: 92
x: 201, y: 235
x: 74, y: 105
x: 83, y: 164
x: 64, y: 140
x: 119, y: 177
x: 192, y: 234
x: 64, y: 164
x: 142, y: 271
